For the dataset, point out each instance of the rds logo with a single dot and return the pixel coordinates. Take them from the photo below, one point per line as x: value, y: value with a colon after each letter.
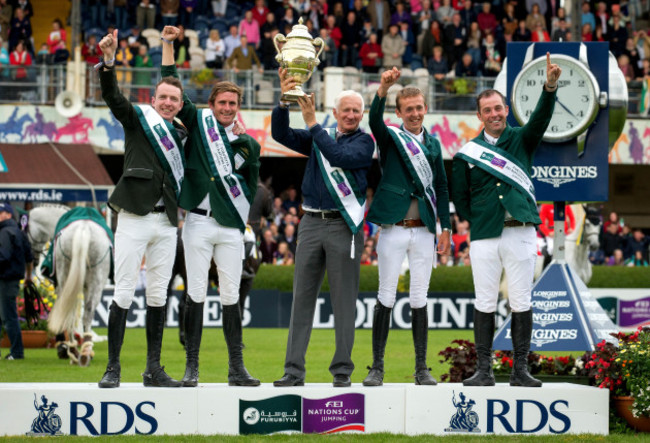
x: 119, y: 416
x: 500, y: 410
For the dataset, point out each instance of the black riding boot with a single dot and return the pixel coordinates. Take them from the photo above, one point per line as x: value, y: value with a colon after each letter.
x: 193, y: 332
x: 380, y: 328
x: 232, y: 331
x: 420, y: 328
x: 521, y: 326
x: 483, y: 336
x: 155, y: 375
x: 182, y: 317
x: 116, y: 327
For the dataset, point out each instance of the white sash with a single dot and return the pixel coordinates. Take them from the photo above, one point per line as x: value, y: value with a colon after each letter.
x: 344, y: 190
x: 161, y: 133
x: 499, y: 164
x: 414, y: 155
x: 219, y: 152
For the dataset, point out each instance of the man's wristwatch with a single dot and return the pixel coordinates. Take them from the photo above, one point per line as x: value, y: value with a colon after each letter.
x: 284, y: 105
x: 446, y: 230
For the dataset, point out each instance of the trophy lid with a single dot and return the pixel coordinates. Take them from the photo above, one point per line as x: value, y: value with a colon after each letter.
x: 300, y: 31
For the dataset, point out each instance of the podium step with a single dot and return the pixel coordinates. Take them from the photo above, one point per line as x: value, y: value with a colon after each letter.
x: 209, y: 409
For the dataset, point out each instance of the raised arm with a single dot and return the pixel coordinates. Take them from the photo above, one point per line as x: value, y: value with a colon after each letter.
x: 297, y: 140
x: 122, y: 109
x: 376, y: 117
x: 541, y: 116
x: 168, y: 68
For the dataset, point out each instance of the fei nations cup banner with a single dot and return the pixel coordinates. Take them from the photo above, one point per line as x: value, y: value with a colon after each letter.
x: 97, y: 126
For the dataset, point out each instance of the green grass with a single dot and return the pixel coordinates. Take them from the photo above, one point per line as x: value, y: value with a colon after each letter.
x: 264, y: 357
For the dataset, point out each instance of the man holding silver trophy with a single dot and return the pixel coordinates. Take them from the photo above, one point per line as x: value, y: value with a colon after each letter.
x: 331, y: 238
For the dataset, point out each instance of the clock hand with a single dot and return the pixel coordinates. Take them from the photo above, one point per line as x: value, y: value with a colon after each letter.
x: 564, y: 107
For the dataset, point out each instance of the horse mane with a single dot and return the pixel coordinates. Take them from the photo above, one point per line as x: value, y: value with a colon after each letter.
x: 53, y: 206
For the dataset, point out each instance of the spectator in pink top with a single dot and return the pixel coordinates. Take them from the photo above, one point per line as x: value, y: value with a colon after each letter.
x: 250, y: 28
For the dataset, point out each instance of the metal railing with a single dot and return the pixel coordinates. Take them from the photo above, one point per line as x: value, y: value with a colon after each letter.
x: 40, y: 84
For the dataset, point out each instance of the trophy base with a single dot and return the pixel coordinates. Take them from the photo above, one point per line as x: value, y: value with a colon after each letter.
x: 293, y: 95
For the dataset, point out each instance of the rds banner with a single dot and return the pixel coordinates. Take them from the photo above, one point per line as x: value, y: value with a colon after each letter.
x: 51, y: 409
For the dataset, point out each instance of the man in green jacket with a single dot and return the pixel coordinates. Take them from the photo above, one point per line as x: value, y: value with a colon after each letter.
x: 412, y: 193
x: 492, y: 189
x: 221, y: 182
x: 145, y: 198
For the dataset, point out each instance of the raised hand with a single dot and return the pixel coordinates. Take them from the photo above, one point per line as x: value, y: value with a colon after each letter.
x: 108, y: 45
x: 388, y: 79
x: 170, y: 33
x: 287, y: 83
x: 553, y: 72
x: 308, y: 109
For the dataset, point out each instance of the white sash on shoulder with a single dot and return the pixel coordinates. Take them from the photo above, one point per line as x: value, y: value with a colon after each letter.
x: 498, y: 163
x: 219, y: 152
x: 165, y: 142
x: 344, y: 189
x: 414, y: 155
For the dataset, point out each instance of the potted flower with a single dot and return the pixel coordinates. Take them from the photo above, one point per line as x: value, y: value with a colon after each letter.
x: 625, y: 371
x: 34, y: 305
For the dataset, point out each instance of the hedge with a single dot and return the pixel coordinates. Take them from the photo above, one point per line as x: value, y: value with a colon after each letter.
x: 451, y: 279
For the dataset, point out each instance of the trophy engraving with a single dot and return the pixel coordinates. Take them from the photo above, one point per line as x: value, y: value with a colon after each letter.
x: 298, y: 55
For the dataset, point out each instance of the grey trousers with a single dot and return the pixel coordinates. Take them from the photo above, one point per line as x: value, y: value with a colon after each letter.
x: 324, y: 245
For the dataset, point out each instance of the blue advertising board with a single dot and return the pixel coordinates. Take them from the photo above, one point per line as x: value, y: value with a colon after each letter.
x: 560, y: 171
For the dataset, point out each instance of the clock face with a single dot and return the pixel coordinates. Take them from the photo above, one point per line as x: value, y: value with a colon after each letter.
x: 576, y: 104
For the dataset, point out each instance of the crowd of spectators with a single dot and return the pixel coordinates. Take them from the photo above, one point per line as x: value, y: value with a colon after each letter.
x: 447, y: 37
x: 621, y: 245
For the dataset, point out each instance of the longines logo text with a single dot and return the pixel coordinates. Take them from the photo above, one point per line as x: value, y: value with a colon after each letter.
x: 558, y: 175
x: 549, y: 295
x: 550, y: 305
x: 543, y: 336
x: 543, y: 319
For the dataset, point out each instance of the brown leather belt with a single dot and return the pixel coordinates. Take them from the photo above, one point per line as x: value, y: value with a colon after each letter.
x: 410, y: 223
x: 514, y: 224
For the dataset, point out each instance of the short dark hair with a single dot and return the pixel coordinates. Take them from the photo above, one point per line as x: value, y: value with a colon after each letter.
x: 407, y: 92
x: 225, y: 86
x: 172, y: 81
x: 488, y: 93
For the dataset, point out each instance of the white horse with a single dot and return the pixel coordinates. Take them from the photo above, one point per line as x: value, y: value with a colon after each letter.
x: 82, y: 257
x: 42, y: 223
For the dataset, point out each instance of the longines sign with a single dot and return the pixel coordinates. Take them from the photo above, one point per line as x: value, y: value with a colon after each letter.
x: 272, y: 309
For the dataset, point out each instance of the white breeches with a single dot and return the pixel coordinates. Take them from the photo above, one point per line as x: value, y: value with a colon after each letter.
x: 516, y: 252
x: 396, y: 242
x: 150, y: 236
x: 205, y: 239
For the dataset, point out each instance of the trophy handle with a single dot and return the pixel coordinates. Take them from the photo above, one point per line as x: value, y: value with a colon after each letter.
x: 318, y: 43
x: 281, y: 38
